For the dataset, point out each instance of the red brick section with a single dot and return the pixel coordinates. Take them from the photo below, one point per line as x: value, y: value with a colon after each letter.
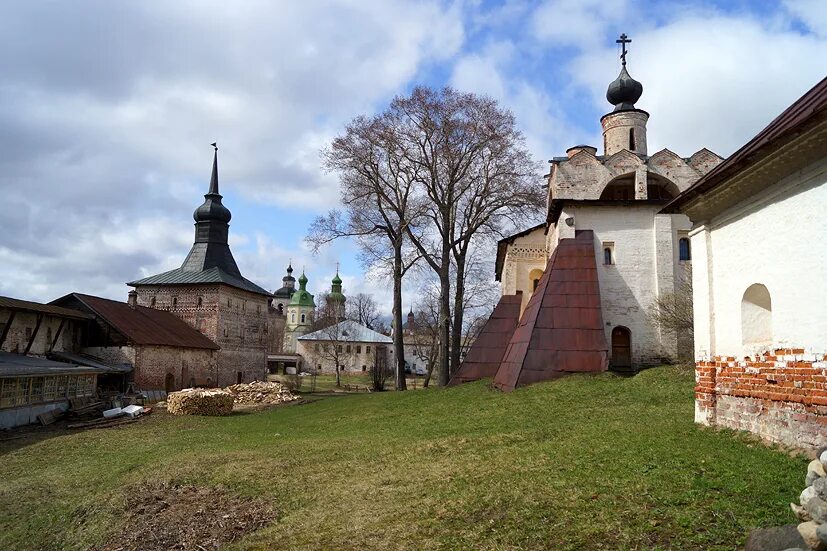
x: 779, y: 395
x: 487, y: 352
x: 561, y: 330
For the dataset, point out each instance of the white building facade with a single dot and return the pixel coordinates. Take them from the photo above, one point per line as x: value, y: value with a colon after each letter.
x: 641, y: 254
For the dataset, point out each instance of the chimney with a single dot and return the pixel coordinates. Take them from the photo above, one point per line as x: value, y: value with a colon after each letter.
x: 132, y: 299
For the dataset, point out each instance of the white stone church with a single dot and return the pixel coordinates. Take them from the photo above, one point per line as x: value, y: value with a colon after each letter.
x: 639, y: 253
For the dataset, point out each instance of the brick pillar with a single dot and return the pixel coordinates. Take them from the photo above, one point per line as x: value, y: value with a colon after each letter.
x: 705, y: 400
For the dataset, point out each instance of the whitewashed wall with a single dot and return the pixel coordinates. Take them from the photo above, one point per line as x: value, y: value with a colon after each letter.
x: 777, y: 238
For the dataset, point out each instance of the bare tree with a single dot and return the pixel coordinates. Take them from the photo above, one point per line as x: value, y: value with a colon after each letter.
x: 673, y: 314
x: 377, y: 183
x: 362, y: 309
x: 476, y: 176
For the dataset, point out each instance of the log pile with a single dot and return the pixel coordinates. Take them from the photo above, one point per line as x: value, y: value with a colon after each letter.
x: 260, y: 392
x: 200, y: 401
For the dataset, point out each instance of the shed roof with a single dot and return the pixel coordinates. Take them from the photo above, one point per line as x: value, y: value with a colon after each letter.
x: 347, y: 331
x: 50, y: 309
x: 142, y: 325
x: 90, y: 361
x: 18, y: 365
x: 784, y: 126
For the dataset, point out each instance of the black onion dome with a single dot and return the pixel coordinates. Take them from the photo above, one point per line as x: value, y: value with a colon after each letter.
x: 212, y: 210
x: 624, y: 91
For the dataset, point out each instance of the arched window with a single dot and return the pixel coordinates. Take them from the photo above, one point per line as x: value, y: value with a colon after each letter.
x: 175, y: 302
x: 293, y: 318
x: 200, y: 302
x: 281, y: 308
x: 302, y: 318
x: 607, y: 256
x: 756, y: 315
x: 620, y: 189
x: 685, y: 250
x: 534, y: 276
x: 631, y: 139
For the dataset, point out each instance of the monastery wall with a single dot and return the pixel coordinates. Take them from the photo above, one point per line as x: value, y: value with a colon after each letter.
x: 779, y: 395
x: 752, y: 297
x: 152, y: 364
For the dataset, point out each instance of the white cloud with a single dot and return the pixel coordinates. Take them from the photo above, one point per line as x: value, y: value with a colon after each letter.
x: 710, y: 81
x: 579, y: 23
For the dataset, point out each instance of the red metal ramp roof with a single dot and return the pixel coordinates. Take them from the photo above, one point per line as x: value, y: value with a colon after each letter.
x: 487, y: 352
x: 561, y: 330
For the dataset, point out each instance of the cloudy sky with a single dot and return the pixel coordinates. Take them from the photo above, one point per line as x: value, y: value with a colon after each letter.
x: 107, y: 109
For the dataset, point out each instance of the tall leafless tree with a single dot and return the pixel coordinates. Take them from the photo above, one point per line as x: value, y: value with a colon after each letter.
x: 477, y: 177
x: 377, y: 184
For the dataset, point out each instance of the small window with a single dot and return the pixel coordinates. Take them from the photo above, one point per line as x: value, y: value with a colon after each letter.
x: 293, y: 318
x: 608, y: 253
x: 281, y: 308
x: 338, y: 348
x: 631, y: 139
x: 364, y: 368
x: 302, y: 318
x: 367, y: 349
x: 685, y: 249
x: 152, y: 302
x: 347, y: 349
x: 358, y: 348
x: 229, y: 302
x: 175, y: 302
x: 258, y: 308
x: 240, y: 377
x: 200, y: 302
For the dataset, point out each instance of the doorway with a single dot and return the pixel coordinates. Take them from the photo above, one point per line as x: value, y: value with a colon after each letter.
x: 169, y: 383
x: 621, y: 348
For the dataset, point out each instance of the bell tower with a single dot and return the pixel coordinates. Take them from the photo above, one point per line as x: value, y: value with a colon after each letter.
x: 625, y: 126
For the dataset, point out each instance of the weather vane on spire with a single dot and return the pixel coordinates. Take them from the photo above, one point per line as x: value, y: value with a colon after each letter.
x: 215, y: 145
x: 623, y: 41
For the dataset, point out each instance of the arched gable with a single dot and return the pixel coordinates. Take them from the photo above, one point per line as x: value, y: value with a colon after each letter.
x: 704, y: 160
x: 623, y: 162
x: 667, y: 164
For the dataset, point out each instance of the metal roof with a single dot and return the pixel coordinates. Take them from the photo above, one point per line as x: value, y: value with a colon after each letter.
x: 561, y: 330
x: 347, y: 331
x: 785, y: 125
x: 179, y: 276
x: 484, y: 357
x: 142, y: 325
x: 18, y: 365
x: 29, y: 306
x: 90, y: 361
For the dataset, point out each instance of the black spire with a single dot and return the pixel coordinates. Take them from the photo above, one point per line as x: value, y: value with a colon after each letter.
x: 624, y: 91
x: 211, y: 231
x: 214, y: 178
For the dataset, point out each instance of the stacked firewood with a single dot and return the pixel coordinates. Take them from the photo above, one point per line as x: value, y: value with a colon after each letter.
x: 200, y: 401
x: 260, y: 392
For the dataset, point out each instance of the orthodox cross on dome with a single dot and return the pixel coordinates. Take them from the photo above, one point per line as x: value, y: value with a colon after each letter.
x: 623, y: 41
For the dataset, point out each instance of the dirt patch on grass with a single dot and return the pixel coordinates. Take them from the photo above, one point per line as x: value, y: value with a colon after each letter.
x: 190, y: 518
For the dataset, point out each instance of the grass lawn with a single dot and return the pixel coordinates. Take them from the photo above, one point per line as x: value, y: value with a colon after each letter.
x: 586, y: 462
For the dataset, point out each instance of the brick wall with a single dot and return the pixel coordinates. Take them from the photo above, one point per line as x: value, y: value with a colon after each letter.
x: 780, y: 395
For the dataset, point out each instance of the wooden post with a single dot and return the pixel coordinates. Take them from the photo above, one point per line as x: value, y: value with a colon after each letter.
x: 57, y: 335
x: 6, y: 329
x: 34, y: 334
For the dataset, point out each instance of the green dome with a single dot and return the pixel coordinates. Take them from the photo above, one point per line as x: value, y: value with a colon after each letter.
x: 302, y: 298
x: 302, y: 279
x: 336, y: 279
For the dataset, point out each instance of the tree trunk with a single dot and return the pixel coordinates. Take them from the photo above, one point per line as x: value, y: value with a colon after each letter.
x: 338, y: 380
x: 398, y: 342
x: 444, y: 324
x: 459, y: 313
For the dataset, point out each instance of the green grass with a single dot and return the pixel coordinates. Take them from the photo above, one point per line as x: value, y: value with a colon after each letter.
x: 586, y: 462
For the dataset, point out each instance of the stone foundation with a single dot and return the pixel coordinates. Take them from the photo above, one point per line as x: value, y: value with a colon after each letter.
x: 780, y: 396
